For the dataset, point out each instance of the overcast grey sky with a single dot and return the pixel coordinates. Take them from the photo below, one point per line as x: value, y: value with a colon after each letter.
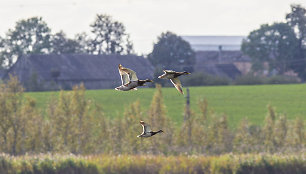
x: 145, y: 20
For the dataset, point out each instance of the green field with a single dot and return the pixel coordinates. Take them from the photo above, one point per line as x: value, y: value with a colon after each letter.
x: 234, y: 101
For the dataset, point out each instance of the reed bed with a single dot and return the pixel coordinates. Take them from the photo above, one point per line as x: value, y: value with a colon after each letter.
x: 150, y: 164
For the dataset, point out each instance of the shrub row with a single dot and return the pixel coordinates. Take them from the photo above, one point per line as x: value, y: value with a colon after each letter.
x: 229, y: 163
x: 202, y: 79
x: 73, y: 124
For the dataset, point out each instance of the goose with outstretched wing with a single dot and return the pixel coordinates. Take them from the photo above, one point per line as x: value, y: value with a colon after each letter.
x: 173, y: 77
x: 129, y: 79
x: 146, y: 131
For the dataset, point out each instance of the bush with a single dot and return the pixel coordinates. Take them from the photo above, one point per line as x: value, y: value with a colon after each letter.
x: 251, y: 79
x: 201, y: 79
x: 248, y: 79
x: 240, y: 164
x: 279, y: 79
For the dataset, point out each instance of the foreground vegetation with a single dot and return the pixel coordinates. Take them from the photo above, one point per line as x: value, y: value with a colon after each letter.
x: 237, y: 102
x: 236, y: 164
x: 74, y: 124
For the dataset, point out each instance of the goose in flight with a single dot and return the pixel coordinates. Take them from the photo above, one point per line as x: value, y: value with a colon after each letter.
x: 173, y: 76
x: 146, y: 131
x: 129, y: 79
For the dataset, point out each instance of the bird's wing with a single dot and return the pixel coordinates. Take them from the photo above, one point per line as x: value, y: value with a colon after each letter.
x: 162, y: 76
x: 124, y: 76
x: 146, y: 128
x: 177, y: 84
x: 132, y: 74
x: 169, y: 71
x: 125, y: 79
x: 143, y: 129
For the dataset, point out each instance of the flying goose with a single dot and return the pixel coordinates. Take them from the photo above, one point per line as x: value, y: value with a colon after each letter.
x: 129, y: 79
x: 173, y: 76
x: 146, y: 131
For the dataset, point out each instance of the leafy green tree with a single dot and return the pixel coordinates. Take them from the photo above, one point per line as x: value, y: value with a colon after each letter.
x: 131, y: 143
x: 103, y: 140
x: 172, y: 52
x: 110, y: 37
x: 268, y: 129
x: 50, y: 139
x: 72, y: 122
x: 29, y: 36
x: 158, y: 120
x: 203, y: 105
x: 82, y: 120
x: 224, y: 136
x: 62, y: 122
x: 4, y: 119
x: 298, y: 133
x: 16, y: 119
x: 275, y: 44
x: 116, y: 134
x: 242, y: 141
x: 297, y: 20
x: 186, y: 132
x: 84, y: 40
x: 31, y: 131
x: 61, y: 44
x: 219, y: 138
x: 280, y: 131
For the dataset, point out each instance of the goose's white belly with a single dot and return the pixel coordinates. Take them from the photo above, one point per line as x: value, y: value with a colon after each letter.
x: 146, y: 135
x: 128, y: 87
x: 123, y: 88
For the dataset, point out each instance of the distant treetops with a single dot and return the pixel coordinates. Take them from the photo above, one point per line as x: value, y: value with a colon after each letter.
x: 131, y: 82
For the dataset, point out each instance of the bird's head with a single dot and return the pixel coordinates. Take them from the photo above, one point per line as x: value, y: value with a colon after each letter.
x: 142, y: 122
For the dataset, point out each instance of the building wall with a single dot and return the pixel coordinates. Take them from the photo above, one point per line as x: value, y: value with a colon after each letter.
x: 243, y: 67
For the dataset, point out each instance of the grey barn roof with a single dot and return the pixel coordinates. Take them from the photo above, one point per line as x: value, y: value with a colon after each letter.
x: 212, y: 43
x: 80, y: 67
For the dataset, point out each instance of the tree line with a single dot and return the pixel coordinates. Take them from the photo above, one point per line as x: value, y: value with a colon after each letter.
x: 72, y: 123
x: 279, y: 47
x: 33, y: 36
x: 282, y: 45
x: 107, y: 36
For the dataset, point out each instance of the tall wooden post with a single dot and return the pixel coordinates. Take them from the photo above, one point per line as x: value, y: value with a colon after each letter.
x: 187, y: 119
x: 187, y: 113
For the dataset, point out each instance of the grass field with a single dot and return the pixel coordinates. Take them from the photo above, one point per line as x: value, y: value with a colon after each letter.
x: 236, y: 102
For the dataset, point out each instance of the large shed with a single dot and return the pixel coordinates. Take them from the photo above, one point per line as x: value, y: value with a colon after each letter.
x: 50, y: 72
